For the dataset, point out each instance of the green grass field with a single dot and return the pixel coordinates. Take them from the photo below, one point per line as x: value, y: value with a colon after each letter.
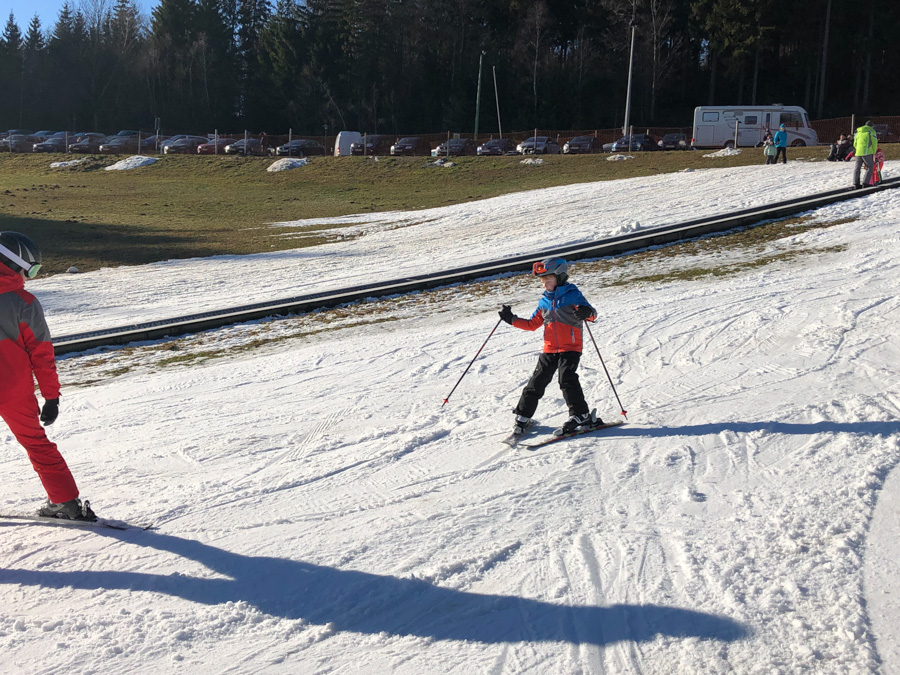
x: 199, y: 206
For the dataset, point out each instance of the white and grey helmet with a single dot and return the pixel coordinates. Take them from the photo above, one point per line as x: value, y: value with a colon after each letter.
x: 555, y: 266
x: 20, y: 253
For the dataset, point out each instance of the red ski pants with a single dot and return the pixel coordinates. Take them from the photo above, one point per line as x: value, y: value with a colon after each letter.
x: 22, y: 416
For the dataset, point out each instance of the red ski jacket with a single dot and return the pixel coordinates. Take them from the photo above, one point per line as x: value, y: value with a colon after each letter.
x: 556, y: 313
x: 25, y: 348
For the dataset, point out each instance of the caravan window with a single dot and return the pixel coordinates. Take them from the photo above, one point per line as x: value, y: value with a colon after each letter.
x: 751, y: 119
x: 791, y: 120
x: 710, y: 117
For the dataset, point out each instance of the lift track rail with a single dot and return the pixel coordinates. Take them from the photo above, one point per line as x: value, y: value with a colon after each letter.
x: 665, y: 234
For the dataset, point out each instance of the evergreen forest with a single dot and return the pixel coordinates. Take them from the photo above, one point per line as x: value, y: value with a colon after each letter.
x: 412, y: 66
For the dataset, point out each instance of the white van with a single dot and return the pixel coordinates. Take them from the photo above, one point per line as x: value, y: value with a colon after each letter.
x: 714, y: 126
x: 343, y: 142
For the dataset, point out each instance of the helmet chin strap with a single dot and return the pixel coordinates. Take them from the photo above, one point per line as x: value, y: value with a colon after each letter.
x: 21, y: 262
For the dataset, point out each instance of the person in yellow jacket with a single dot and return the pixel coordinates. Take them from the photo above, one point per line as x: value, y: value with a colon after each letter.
x: 865, y: 143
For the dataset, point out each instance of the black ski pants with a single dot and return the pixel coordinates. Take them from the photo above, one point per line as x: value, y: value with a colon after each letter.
x: 547, y: 365
x: 781, y: 151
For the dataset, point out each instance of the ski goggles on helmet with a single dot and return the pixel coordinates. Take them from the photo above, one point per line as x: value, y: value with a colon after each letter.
x: 539, y: 268
x: 30, y: 269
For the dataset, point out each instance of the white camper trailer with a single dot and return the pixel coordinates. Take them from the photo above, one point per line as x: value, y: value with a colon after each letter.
x: 715, y: 126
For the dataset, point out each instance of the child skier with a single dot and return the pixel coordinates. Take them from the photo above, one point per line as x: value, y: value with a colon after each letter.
x: 26, y: 353
x: 560, y: 310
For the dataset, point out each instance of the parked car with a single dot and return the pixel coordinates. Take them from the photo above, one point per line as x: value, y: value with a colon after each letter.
x: 254, y: 146
x: 343, y: 143
x: 454, y: 146
x: 118, y: 144
x: 582, y: 145
x: 215, y: 146
x: 883, y: 133
x: 43, y: 134
x: 376, y: 144
x: 186, y: 145
x: 55, y: 143
x: 638, y: 142
x: 301, y: 147
x: 540, y: 145
x: 674, y: 142
x: 88, y: 142
x: 19, y: 143
x: 153, y: 143
x: 128, y: 132
x: 497, y: 146
x: 5, y: 141
x: 411, y: 145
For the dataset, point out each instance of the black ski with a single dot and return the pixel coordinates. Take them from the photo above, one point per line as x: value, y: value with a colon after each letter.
x: 66, y: 522
x: 553, y: 439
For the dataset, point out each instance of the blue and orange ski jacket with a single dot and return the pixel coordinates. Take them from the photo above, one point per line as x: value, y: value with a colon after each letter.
x: 556, y: 313
x: 26, y: 351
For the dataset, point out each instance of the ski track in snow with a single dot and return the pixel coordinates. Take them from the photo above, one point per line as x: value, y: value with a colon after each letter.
x: 319, y: 511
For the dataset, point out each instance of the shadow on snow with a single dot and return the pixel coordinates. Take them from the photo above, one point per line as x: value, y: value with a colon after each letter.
x: 370, y: 603
x: 886, y: 428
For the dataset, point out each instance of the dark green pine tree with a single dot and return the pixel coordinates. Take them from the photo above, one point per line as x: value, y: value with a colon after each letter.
x: 171, y: 64
x: 35, y: 73
x: 282, y: 54
x: 11, y: 75
x: 252, y: 18
x: 216, y: 54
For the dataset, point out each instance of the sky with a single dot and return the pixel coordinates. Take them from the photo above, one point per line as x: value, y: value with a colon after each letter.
x: 48, y: 10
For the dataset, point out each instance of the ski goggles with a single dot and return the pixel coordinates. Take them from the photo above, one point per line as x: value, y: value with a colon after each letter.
x: 539, y: 268
x: 31, y: 269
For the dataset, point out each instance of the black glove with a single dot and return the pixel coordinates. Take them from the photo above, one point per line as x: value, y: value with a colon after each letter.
x: 584, y: 312
x: 507, y: 315
x: 50, y: 411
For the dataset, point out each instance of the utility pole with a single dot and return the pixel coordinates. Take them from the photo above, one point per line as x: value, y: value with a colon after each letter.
x: 821, y: 105
x: 628, y: 94
x: 478, y: 97
x: 497, y: 98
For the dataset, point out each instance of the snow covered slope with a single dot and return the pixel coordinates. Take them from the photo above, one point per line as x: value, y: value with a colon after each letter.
x: 378, y: 247
x: 318, y: 511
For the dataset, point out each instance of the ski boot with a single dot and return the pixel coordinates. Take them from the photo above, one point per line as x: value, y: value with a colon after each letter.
x: 579, y: 423
x: 73, y: 509
x: 522, y: 425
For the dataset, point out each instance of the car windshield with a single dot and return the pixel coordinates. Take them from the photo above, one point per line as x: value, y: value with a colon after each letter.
x: 581, y: 139
x: 496, y: 141
x: 407, y: 140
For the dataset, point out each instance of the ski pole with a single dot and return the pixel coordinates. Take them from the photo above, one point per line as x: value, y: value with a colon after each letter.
x: 469, y: 366
x: 624, y: 412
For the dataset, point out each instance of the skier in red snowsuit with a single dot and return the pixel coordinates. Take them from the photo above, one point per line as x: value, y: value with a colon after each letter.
x: 26, y: 353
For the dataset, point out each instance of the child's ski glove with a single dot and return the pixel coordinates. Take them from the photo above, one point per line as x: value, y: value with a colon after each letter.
x: 584, y: 312
x: 50, y: 411
x: 507, y: 315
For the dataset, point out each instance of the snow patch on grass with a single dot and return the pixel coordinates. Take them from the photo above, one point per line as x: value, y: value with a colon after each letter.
x: 287, y: 164
x: 133, y: 162
x: 724, y: 152
x: 71, y: 162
